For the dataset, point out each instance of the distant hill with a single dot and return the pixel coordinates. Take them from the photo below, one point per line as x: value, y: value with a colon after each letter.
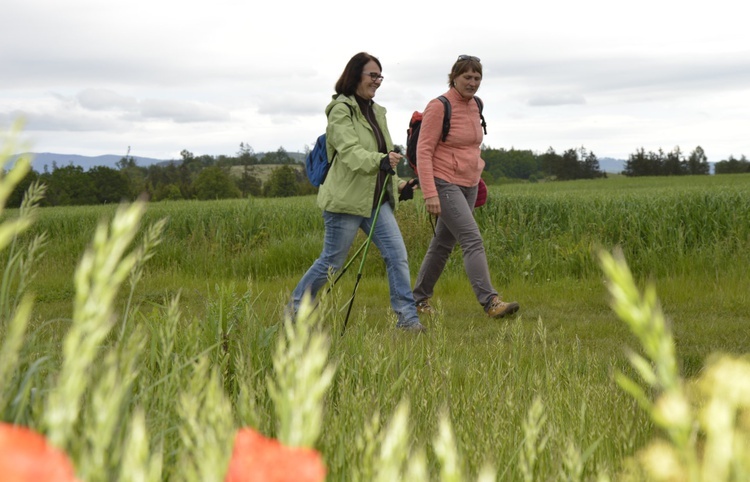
x: 611, y: 165
x: 41, y: 159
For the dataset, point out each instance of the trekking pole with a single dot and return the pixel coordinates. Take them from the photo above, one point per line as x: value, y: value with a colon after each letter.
x: 366, y: 247
x: 346, y: 266
x: 332, y: 283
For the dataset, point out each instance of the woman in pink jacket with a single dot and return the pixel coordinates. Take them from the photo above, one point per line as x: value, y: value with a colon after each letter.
x: 449, y: 173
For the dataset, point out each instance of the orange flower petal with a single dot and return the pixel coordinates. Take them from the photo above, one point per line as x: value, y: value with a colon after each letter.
x: 25, y: 456
x: 256, y: 458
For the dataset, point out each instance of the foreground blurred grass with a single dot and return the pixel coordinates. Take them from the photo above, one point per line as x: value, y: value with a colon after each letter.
x: 151, y: 384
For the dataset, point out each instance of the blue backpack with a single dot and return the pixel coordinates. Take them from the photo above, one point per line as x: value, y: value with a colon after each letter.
x: 316, y: 162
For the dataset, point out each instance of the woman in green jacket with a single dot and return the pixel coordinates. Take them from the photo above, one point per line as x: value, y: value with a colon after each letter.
x: 361, y: 153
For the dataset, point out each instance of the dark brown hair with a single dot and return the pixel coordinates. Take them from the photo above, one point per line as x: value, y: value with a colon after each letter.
x: 462, y: 66
x: 352, y: 74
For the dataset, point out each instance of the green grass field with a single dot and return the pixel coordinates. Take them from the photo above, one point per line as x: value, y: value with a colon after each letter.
x: 534, y: 396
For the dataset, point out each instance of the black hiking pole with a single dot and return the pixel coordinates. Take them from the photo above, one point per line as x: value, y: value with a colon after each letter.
x: 346, y: 267
x: 366, y: 247
x: 339, y: 274
x: 332, y: 282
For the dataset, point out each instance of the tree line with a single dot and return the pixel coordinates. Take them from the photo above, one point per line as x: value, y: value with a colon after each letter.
x: 732, y: 166
x: 674, y: 163
x: 192, y: 177
x: 220, y: 177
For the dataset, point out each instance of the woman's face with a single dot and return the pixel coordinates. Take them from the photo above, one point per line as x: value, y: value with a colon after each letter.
x: 367, y: 85
x: 467, y: 84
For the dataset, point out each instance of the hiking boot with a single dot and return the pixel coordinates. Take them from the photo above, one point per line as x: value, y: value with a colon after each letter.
x: 415, y: 327
x: 424, y: 308
x: 499, y: 308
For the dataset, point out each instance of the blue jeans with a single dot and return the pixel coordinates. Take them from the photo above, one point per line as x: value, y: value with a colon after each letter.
x: 340, y: 232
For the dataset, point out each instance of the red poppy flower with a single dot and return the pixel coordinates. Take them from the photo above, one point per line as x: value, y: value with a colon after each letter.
x: 256, y: 458
x: 25, y: 456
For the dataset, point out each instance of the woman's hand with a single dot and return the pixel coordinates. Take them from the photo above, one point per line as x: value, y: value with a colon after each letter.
x: 389, y: 162
x: 433, y: 205
x: 412, y: 183
x: 406, y: 189
x: 394, y: 158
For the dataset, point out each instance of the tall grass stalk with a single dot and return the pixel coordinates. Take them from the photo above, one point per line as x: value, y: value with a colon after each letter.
x: 706, y: 436
x: 98, y: 278
x: 206, y: 428
x: 534, y: 441
x: 15, y: 303
x: 138, y: 463
x: 151, y: 239
x: 301, y: 378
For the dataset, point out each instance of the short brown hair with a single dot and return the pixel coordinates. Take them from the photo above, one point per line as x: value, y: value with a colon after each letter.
x: 462, y: 66
x: 352, y: 74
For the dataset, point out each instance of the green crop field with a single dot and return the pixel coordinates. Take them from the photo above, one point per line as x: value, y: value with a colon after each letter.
x: 147, y: 354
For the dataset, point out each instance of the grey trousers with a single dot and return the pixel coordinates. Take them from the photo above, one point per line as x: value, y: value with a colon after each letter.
x: 456, y: 224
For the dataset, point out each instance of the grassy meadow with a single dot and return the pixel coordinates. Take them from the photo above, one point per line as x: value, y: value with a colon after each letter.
x: 543, y: 395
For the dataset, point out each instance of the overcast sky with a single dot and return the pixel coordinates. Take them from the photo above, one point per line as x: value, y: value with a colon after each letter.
x: 95, y: 77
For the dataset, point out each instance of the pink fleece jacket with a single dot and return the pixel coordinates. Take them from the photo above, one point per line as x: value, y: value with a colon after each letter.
x: 458, y: 159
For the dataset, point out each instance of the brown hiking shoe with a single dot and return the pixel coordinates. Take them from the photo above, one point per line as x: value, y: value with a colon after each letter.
x: 424, y: 308
x: 499, y: 308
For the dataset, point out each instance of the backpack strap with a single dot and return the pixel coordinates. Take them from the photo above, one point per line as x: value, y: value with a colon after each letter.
x: 480, y: 104
x: 351, y: 110
x: 447, y: 115
x: 351, y: 113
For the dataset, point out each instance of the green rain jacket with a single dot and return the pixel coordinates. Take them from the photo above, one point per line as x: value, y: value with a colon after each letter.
x: 349, y: 187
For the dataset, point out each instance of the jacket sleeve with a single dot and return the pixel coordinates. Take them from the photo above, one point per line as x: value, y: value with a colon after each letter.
x: 429, y: 137
x: 342, y: 135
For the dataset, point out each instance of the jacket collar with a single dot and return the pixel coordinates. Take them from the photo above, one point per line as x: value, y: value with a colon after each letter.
x: 454, y: 96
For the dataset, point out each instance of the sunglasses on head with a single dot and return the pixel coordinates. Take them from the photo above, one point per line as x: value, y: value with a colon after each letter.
x: 468, y: 57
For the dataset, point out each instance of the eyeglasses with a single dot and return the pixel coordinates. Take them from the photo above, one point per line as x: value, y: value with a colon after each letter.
x: 468, y: 57
x: 375, y: 76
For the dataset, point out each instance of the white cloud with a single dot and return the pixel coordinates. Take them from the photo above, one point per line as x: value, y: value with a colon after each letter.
x: 181, y: 111
x: 105, y: 99
x: 205, y: 76
x: 556, y: 99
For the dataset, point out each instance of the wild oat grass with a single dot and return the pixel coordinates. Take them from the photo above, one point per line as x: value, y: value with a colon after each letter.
x: 139, y: 382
